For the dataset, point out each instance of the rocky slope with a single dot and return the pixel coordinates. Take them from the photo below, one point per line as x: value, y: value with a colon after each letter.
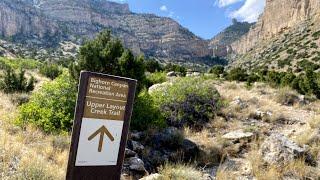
x: 278, y: 17
x: 289, y: 42
x: 46, y: 23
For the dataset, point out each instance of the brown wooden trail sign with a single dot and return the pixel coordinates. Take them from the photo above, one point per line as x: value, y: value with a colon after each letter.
x: 101, y: 126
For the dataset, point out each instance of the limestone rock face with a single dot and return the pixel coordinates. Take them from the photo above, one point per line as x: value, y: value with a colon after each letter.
x: 75, y: 20
x: 278, y: 16
x: 18, y: 20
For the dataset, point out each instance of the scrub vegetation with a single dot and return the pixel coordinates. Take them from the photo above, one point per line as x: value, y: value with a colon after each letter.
x: 180, y: 124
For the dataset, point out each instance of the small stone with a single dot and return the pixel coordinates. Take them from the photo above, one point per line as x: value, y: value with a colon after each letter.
x: 236, y: 135
x: 136, y: 164
x: 130, y: 153
x: 239, y: 102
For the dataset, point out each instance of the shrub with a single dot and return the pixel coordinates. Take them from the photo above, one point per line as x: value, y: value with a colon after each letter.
x: 252, y: 78
x: 50, y: 70
x: 307, y: 84
x: 153, y: 65
x: 314, y: 45
x: 217, y: 70
x: 176, y: 68
x: 13, y: 82
x: 52, y: 107
x: 287, y: 79
x: 237, y: 74
x: 283, y: 63
x: 188, y: 101
x: 19, y: 63
x: 287, y: 97
x: 305, y: 64
x: 274, y: 78
x: 316, y: 34
x: 156, y: 78
x: 146, y: 114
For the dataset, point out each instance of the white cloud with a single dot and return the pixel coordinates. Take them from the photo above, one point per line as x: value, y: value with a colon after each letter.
x: 171, y: 14
x: 250, y: 11
x: 224, y: 3
x: 163, y: 8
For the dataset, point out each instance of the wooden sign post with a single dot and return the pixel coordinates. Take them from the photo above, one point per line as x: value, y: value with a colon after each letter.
x: 101, y: 126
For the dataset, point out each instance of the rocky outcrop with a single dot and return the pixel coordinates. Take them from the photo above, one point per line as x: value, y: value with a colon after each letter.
x: 278, y: 16
x: 74, y: 20
x: 279, y: 150
x: 221, y: 43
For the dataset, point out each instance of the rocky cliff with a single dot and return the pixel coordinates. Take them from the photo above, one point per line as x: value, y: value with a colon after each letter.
x: 278, y: 17
x: 221, y: 43
x: 49, y: 22
x: 285, y: 38
x: 18, y: 20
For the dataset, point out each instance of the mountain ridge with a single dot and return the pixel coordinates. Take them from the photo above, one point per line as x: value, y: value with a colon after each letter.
x: 63, y: 20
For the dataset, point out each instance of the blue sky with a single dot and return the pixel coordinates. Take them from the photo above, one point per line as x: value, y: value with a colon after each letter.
x: 205, y: 18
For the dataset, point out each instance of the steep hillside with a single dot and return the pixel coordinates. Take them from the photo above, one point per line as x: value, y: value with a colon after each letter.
x: 291, y: 41
x: 47, y: 23
x: 279, y: 16
x: 221, y: 43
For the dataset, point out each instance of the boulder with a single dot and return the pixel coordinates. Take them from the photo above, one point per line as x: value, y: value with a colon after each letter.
x: 171, y: 74
x: 170, y: 137
x: 279, y: 150
x: 136, y: 164
x: 196, y: 74
x: 154, y: 159
x: 237, y: 135
x: 190, y: 149
x: 136, y: 146
x: 129, y: 153
x: 159, y: 87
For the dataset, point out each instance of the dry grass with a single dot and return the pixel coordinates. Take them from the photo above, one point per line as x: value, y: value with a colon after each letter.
x: 29, y: 154
x: 180, y: 172
x: 225, y: 175
x: 286, y: 95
